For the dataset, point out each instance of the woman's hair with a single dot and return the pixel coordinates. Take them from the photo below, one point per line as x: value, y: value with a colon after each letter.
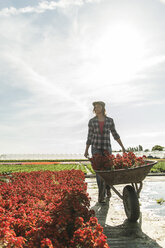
x: 102, y: 105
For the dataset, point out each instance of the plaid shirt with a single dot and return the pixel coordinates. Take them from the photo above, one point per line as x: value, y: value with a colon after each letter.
x: 94, y: 135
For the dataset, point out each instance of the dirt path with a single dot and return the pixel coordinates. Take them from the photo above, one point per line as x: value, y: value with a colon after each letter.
x: 148, y: 232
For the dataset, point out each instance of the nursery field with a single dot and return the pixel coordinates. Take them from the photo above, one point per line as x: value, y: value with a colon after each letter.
x: 85, y: 166
x: 27, y: 167
x: 48, y: 209
x: 45, y: 204
x: 159, y: 167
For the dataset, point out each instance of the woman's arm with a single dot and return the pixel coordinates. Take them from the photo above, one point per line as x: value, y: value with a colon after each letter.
x: 86, y: 154
x: 121, y: 144
x: 116, y: 136
x: 89, y: 138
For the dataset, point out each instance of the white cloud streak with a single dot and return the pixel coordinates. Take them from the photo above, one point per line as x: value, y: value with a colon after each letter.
x: 153, y: 61
x: 147, y: 134
x: 162, y: 1
x: 44, y: 6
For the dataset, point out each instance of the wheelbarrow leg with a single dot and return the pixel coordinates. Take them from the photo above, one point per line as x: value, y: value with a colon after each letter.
x: 137, y: 188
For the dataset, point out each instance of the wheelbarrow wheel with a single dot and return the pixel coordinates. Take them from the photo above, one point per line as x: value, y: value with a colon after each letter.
x: 131, y: 203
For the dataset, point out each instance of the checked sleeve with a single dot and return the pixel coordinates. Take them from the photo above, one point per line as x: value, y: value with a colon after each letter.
x: 90, y: 133
x: 114, y: 132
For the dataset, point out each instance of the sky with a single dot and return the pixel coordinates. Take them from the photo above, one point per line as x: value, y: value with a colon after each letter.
x: 57, y: 57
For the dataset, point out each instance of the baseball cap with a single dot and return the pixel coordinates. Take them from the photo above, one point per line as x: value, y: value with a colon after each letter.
x: 99, y: 102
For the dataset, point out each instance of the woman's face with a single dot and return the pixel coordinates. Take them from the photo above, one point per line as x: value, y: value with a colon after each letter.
x: 98, y: 109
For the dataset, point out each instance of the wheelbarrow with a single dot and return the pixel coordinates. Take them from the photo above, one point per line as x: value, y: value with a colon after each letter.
x: 131, y: 193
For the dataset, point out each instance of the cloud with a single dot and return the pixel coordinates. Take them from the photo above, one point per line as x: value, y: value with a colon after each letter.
x: 162, y: 1
x: 53, y: 69
x: 147, y: 134
x: 151, y: 103
x: 153, y: 61
x: 146, y: 138
x: 40, y: 66
x: 44, y: 6
x: 60, y: 69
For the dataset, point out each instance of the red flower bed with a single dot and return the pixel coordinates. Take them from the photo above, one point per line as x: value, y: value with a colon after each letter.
x: 48, y: 209
x: 110, y: 162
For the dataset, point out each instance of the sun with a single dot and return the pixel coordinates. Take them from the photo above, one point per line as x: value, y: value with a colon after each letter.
x: 120, y: 51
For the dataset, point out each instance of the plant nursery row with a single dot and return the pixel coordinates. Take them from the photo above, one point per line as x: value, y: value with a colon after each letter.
x: 42, y: 209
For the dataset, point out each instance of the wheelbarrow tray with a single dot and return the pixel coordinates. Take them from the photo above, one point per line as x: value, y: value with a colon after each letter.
x: 129, y: 175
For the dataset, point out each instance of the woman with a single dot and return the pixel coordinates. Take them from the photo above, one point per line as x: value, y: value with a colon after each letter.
x: 99, y: 129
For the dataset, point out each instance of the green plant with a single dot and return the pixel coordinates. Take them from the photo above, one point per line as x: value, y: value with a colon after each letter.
x: 38, y: 167
x: 157, y: 148
x: 159, y: 167
x: 89, y: 166
x: 160, y: 201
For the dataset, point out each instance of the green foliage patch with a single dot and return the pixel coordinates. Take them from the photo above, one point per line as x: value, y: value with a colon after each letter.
x: 159, y: 167
x: 38, y: 167
x: 89, y: 166
x: 160, y: 201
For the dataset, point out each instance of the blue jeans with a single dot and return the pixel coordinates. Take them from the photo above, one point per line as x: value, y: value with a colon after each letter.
x: 100, y: 181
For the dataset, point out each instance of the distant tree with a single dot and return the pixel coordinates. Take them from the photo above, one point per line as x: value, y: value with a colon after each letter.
x: 130, y: 149
x: 157, y: 148
x: 146, y: 150
x: 134, y: 149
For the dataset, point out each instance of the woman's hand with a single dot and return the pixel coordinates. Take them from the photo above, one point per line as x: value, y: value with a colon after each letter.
x: 86, y: 154
x: 121, y: 144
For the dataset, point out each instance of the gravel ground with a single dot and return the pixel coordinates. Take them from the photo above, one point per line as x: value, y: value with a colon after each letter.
x: 147, y: 232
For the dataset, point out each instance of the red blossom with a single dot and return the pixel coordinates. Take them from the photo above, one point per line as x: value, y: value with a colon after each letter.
x: 110, y: 162
x: 47, y: 209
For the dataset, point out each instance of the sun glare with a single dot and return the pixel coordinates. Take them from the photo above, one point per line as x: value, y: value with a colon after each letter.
x: 120, y: 52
